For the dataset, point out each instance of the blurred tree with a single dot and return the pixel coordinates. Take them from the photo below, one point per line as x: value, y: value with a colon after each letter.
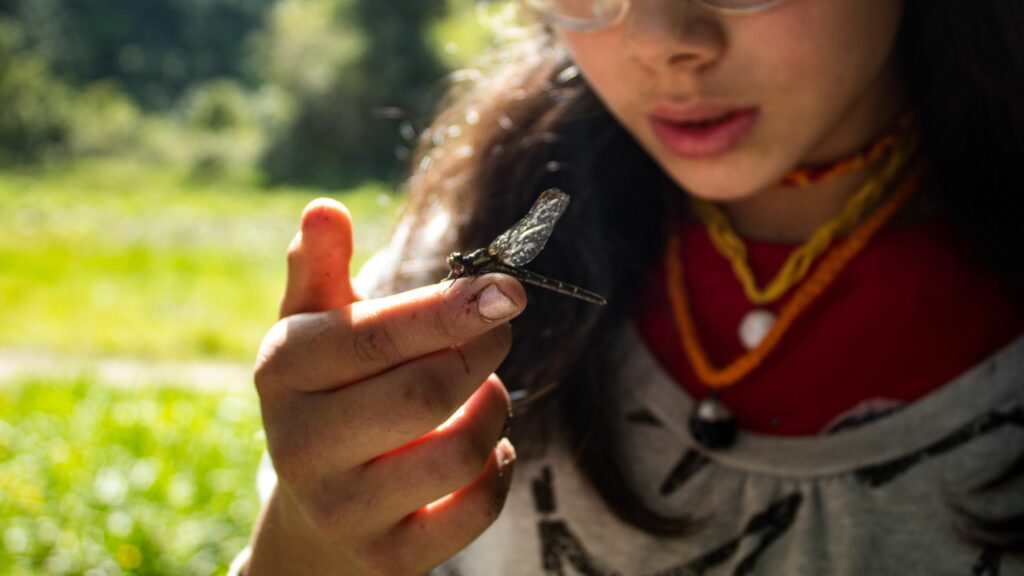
x: 337, y: 86
x: 217, y: 106
x: 35, y: 117
x: 404, y: 69
x: 156, y: 49
x: 355, y: 69
x: 105, y: 122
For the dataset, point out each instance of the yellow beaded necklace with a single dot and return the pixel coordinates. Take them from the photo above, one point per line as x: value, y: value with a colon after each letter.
x: 800, y: 260
x: 711, y: 422
x: 823, y: 276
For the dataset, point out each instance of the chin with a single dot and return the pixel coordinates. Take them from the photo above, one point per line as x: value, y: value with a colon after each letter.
x: 723, y: 184
x: 741, y: 173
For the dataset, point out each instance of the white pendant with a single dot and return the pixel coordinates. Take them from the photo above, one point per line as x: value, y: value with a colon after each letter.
x: 755, y: 326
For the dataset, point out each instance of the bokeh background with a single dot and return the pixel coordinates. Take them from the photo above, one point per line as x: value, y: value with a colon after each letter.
x: 154, y: 158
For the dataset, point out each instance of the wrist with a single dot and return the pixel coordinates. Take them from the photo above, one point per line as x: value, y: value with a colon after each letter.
x: 284, y: 542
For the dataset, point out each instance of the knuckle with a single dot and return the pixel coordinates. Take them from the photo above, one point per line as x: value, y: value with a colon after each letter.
x: 267, y: 372
x: 375, y: 344
x: 333, y: 520
x: 335, y: 512
x: 443, y: 323
x: 293, y: 458
x: 298, y: 450
x: 430, y: 395
x: 469, y: 454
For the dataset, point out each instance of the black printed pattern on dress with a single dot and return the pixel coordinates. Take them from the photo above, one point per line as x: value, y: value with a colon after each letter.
x: 645, y: 417
x: 544, y: 492
x: 988, y: 563
x: 691, y: 463
x: 881, y: 474
x: 770, y: 525
x: 857, y: 420
x: 559, y: 544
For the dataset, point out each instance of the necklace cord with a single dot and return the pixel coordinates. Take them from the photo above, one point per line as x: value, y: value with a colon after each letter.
x: 799, y: 261
x: 823, y: 276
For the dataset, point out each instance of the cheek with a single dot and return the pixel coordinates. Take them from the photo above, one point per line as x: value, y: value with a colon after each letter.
x: 598, y: 56
x: 814, y: 63
x: 837, y: 48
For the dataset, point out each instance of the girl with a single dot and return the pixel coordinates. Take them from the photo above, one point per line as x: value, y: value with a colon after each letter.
x: 800, y: 212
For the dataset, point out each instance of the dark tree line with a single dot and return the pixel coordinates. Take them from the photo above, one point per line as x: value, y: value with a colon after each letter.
x: 156, y: 49
x: 351, y: 129
x: 342, y: 126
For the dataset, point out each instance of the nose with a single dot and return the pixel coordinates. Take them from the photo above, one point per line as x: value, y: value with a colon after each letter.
x: 673, y: 33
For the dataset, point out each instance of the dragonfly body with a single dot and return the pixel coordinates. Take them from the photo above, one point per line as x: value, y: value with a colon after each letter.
x: 479, y: 262
x: 519, y: 245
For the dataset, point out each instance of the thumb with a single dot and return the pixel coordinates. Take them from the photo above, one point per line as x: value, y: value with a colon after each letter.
x: 318, y: 260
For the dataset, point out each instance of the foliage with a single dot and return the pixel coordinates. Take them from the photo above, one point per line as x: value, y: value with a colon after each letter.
x: 464, y: 33
x: 35, y: 115
x: 99, y: 480
x: 218, y: 106
x: 372, y: 64
x: 155, y: 49
x: 128, y: 258
x: 328, y: 92
x: 311, y: 52
x: 224, y: 126
x: 105, y: 121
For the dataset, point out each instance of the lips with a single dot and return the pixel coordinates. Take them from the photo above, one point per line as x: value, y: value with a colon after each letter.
x: 702, y: 131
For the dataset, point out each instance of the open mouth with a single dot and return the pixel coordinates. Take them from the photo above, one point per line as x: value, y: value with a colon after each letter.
x: 708, y: 137
x: 709, y: 122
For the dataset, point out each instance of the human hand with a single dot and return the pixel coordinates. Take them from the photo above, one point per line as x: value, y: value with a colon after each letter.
x: 382, y: 417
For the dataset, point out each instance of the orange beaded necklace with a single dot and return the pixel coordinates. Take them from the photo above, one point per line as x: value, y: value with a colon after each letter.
x: 711, y: 422
x: 815, y: 284
x: 805, y: 176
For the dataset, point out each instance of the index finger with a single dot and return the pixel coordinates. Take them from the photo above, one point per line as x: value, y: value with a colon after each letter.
x: 325, y: 350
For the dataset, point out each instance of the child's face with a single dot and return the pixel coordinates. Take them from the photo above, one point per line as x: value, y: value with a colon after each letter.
x: 821, y: 75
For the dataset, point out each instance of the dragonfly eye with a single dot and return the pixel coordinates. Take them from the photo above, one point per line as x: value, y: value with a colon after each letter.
x: 455, y: 262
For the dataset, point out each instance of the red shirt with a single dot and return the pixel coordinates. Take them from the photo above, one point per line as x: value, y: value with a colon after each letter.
x: 913, y: 310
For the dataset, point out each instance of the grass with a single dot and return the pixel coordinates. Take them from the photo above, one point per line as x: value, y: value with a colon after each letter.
x: 116, y: 257
x: 100, y: 480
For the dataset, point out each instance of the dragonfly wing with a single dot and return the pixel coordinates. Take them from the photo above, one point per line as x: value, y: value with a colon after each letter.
x: 524, y: 241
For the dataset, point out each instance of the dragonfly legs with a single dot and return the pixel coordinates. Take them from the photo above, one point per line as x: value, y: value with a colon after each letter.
x: 448, y: 287
x: 453, y: 277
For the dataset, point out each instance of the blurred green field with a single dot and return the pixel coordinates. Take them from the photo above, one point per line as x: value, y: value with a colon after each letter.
x: 122, y: 259
x: 100, y: 480
x: 118, y: 257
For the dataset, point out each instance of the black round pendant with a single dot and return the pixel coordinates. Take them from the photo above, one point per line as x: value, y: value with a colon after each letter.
x: 712, y: 424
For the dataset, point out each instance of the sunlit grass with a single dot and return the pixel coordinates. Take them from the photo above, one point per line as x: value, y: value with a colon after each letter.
x: 130, y: 258
x: 104, y: 480
x: 121, y: 257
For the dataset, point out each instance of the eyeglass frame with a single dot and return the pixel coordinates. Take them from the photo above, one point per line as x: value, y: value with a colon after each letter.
x: 627, y: 6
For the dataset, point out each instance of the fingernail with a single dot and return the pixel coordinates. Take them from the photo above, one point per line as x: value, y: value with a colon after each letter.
x: 506, y: 457
x: 495, y: 304
x: 506, y: 453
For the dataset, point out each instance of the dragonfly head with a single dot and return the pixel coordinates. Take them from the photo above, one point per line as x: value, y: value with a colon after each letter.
x: 456, y: 265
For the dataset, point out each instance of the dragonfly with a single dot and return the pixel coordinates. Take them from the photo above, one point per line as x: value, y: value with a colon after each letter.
x: 519, y: 245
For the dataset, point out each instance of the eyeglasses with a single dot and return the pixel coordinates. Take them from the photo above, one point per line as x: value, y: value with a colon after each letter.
x: 592, y: 15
